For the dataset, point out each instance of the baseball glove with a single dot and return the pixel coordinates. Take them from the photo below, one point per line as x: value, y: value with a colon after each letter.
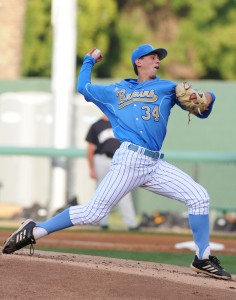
x: 193, y: 101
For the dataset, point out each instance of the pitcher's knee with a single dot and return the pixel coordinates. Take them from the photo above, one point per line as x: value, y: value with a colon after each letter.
x: 199, y: 206
x: 199, y: 202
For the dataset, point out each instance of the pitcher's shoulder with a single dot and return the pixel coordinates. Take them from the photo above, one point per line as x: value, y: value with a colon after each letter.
x: 167, y: 85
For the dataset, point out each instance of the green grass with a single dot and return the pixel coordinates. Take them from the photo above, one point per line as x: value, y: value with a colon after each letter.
x: 180, y: 259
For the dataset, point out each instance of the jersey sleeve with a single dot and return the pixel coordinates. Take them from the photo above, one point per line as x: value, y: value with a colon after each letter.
x: 98, y: 94
x: 91, y: 92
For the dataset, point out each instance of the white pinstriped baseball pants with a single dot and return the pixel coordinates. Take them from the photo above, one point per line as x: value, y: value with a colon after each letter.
x: 126, y: 207
x: 131, y: 169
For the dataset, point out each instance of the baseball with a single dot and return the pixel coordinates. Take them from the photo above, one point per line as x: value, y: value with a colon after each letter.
x: 97, y: 52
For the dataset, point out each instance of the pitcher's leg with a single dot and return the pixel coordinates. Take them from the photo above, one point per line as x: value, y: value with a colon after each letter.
x: 58, y: 222
x: 201, y: 233
x: 104, y: 200
x: 173, y: 183
x: 116, y: 184
x: 88, y: 213
x: 119, y: 181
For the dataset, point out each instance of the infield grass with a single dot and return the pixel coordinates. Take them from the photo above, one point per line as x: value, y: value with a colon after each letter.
x: 179, y: 259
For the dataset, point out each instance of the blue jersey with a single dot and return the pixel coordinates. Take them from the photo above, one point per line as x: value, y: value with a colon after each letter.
x: 138, y: 112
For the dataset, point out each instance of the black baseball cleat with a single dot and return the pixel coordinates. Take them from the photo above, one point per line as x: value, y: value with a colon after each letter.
x: 210, y: 267
x: 20, y: 238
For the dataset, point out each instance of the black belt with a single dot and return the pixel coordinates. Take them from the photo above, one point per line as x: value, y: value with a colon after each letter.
x: 146, y: 152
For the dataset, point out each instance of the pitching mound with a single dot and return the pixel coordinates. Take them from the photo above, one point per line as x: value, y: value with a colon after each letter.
x: 49, y: 275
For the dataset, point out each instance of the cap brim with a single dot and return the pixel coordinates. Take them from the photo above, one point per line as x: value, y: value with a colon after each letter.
x: 161, y: 52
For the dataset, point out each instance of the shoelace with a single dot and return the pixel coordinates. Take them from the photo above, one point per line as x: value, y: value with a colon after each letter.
x: 215, y: 260
x: 31, y: 242
x: 31, y: 249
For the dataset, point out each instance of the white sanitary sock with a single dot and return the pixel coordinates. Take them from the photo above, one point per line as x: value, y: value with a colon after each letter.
x: 39, y: 232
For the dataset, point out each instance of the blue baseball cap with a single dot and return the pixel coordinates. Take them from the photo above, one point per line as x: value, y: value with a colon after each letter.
x: 147, y: 49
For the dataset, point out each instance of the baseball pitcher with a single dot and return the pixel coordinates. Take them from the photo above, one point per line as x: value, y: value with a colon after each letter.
x: 138, y: 110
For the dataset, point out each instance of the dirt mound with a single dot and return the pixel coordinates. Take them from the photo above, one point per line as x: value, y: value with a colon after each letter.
x: 49, y: 275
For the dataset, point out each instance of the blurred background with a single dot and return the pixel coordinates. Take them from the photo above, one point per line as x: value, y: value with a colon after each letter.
x: 42, y: 47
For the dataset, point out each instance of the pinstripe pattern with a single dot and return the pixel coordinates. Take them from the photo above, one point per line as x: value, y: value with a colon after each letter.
x: 132, y: 169
x: 101, y: 165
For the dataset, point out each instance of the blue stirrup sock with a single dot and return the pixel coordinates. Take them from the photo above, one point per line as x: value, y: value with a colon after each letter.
x: 59, y: 222
x: 201, y: 233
